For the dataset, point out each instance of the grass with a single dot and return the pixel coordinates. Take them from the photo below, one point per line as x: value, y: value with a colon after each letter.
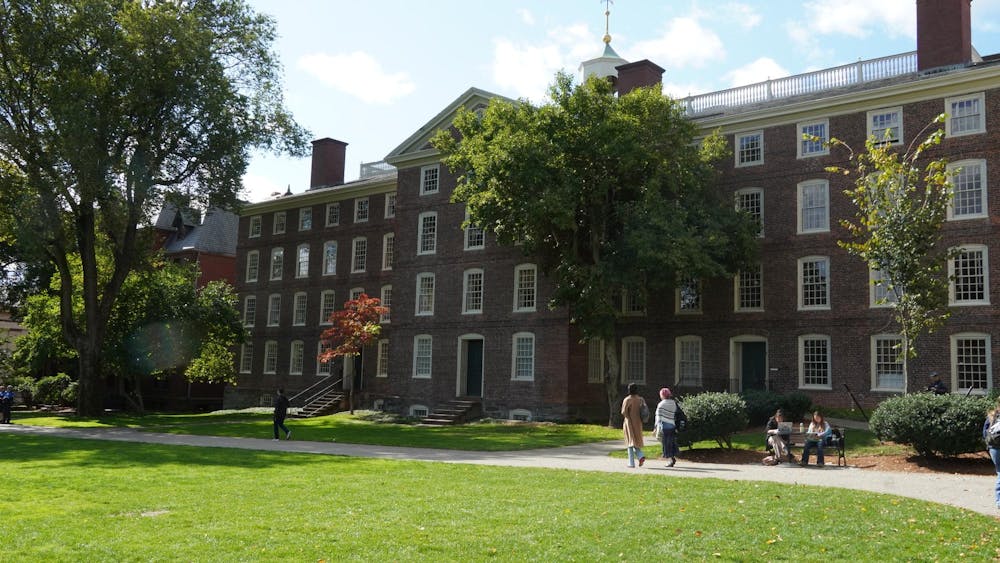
x: 82, y: 500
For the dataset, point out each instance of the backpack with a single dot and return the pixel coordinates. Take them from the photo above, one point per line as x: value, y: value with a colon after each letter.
x: 644, y: 411
x: 680, y: 419
x: 993, y: 433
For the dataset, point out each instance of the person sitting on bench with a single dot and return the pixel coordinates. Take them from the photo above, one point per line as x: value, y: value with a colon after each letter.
x: 816, y: 437
x: 776, y: 440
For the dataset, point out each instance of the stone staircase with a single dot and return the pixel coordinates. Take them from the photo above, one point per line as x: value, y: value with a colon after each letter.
x: 455, y: 411
x: 324, y: 403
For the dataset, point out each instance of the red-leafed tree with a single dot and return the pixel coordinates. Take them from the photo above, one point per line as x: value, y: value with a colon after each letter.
x: 354, y: 327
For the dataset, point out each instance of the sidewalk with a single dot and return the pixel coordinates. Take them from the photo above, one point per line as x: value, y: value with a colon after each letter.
x: 972, y: 492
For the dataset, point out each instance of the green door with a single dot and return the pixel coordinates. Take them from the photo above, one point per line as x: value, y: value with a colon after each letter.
x: 753, y: 362
x: 474, y: 368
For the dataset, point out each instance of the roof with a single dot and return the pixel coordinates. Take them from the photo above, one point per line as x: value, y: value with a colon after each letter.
x: 215, y: 235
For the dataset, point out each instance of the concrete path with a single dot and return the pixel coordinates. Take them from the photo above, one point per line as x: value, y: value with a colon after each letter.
x: 972, y: 492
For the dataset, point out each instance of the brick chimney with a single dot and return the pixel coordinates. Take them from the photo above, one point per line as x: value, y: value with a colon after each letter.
x: 944, y: 33
x: 328, y: 156
x: 636, y: 75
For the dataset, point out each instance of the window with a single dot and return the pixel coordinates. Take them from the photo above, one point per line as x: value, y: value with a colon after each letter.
x: 332, y: 214
x: 472, y: 291
x: 688, y: 296
x: 388, y: 250
x: 749, y: 148
x: 361, y: 210
x: 255, y: 229
x: 327, y: 304
x: 305, y: 218
x: 273, y: 310
x: 523, y: 357
x: 887, y: 369
x: 809, y: 147
x: 750, y: 290
x: 296, y: 358
x: 633, y: 303
x: 356, y: 292
x: 249, y: 310
x: 425, y: 294
x: 299, y: 309
x: 390, y: 205
x: 968, y: 183
x: 971, y: 363
x: 881, y: 293
x: 382, y: 362
x: 688, y: 354
x: 279, y: 223
x: 270, y: 357
x: 246, y: 357
x: 814, y: 207
x: 302, y: 262
x: 422, y: 356
x: 595, y: 360
x: 418, y: 411
x: 386, y: 301
x: 965, y: 115
x: 751, y: 202
x: 429, y: 179
x: 475, y: 239
x: 886, y: 125
x: 524, y: 288
x: 969, y: 274
x: 253, y: 265
x: 520, y: 415
x: 323, y: 368
x: 633, y: 359
x: 814, y: 282
x: 814, y: 361
x: 330, y: 258
x: 277, y: 262
x: 427, y: 239
x: 359, y: 255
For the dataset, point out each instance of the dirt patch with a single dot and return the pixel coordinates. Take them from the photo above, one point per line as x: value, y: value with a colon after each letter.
x: 965, y: 464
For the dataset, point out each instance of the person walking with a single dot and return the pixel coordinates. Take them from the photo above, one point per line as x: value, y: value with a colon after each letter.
x: 666, y: 421
x: 280, y: 412
x: 6, y: 403
x: 632, y: 424
x: 994, y: 450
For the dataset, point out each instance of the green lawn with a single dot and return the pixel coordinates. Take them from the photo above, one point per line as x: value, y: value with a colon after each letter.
x: 83, y: 500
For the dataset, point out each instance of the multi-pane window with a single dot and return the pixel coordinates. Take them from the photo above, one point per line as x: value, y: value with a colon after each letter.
x: 330, y: 258
x: 882, y: 293
x: 253, y: 265
x: 270, y: 356
x: 390, y: 205
x: 249, y: 310
x: 361, y: 210
x: 273, y: 309
x: 812, y: 139
x: 422, y: 344
x: 472, y: 291
x: 688, y: 296
x: 750, y: 148
x: 523, y: 367
x: 296, y: 357
x: 277, y: 262
x: 751, y: 202
x: 430, y: 179
x: 968, y: 182
x: 255, y: 226
x: 887, y: 368
x: 302, y: 261
x: 971, y: 363
x: 279, y: 222
x: 299, y: 309
x: 323, y: 368
x: 688, y: 353
x: 388, y: 250
x: 305, y: 218
x: 965, y: 115
x: 386, y: 301
x: 595, y: 360
x: 425, y: 294
x: 633, y: 359
x: 332, y: 214
x: 814, y: 361
x: 525, y: 287
x: 969, y: 276
x: 356, y: 292
x: 427, y: 239
x: 359, y: 255
x: 814, y: 282
x: 750, y: 289
x: 886, y: 125
x: 474, y: 236
x: 382, y: 362
x: 246, y: 357
x: 814, y: 206
x: 327, y: 304
x: 633, y: 303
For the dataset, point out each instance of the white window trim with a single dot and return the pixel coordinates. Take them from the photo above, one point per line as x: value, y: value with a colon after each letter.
x: 801, y: 361
x: 898, y: 110
x: 415, y: 340
x: 678, y: 343
x: 873, y: 282
x: 513, y: 356
x: 271, y: 345
x: 420, y: 233
x: 256, y: 224
x: 517, y: 271
x: 623, y: 359
x: 302, y: 215
x: 357, y: 210
x: 799, y: 192
x: 320, y: 363
x: 465, y: 234
x: 245, y: 358
x: 986, y: 276
x: 736, y: 148
x: 874, y: 362
x: 249, y: 321
x: 324, y: 320
x: 284, y: 223
x: 701, y: 300
x: 326, y: 219
x: 355, y: 292
x: 799, y: 139
x: 423, y: 175
x: 760, y: 192
x: 415, y: 410
x: 954, y: 167
x: 523, y: 415
x: 301, y: 321
x: 391, y: 196
x: 982, y: 116
x: 256, y: 276
x: 270, y: 301
x: 829, y: 283
x: 354, y: 255
x: 433, y: 278
x: 736, y: 293
x: 953, y: 347
x: 270, y: 266
x: 465, y: 291
x: 299, y: 261
x: 386, y: 317
x: 382, y: 364
x: 300, y: 347
x: 336, y: 249
x: 388, y: 249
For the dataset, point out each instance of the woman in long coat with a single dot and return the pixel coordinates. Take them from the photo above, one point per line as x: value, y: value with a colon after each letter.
x: 632, y: 424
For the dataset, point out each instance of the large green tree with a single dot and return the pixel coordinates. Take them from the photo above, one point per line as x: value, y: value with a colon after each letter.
x: 613, y: 195
x: 105, y: 106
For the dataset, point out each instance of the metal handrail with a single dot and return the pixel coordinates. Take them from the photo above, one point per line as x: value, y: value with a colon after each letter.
x: 324, y: 387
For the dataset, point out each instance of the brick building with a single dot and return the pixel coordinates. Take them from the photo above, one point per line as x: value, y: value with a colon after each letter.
x: 469, y: 318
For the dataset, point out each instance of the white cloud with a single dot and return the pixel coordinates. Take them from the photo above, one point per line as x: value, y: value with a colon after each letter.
x: 680, y: 91
x: 358, y: 74
x: 526, y: 16
x: 744, y: 14
x: 258, y: 188
x: 852, y: 18
x: 683, y: 43
x: 527, y: 69
x: 759, y: 70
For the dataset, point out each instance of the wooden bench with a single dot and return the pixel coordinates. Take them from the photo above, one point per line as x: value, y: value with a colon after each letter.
x: 836, y: 443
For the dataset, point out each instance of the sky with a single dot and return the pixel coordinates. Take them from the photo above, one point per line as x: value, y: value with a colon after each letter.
x: 372, y: 72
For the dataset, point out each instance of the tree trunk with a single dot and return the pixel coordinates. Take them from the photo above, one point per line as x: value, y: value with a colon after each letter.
x: 611, y: 379
x: 90, y: 390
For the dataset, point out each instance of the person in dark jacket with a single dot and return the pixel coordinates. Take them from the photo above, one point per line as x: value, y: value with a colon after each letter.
x: 937, y: 386
x: 6, y: 402
x: 280, y: 412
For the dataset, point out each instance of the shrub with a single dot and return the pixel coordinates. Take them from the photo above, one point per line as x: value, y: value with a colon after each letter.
x: 932, y: 424
x: 713, y: 416
x: 797, y: 405
x: 25, y: 386
x: 49, y: 390
x: 761, y: 405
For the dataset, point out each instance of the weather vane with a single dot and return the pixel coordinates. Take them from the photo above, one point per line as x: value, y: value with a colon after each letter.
x: 607, y: 20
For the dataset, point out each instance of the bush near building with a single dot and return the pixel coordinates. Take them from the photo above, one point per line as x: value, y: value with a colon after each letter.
x: 934, y: 425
